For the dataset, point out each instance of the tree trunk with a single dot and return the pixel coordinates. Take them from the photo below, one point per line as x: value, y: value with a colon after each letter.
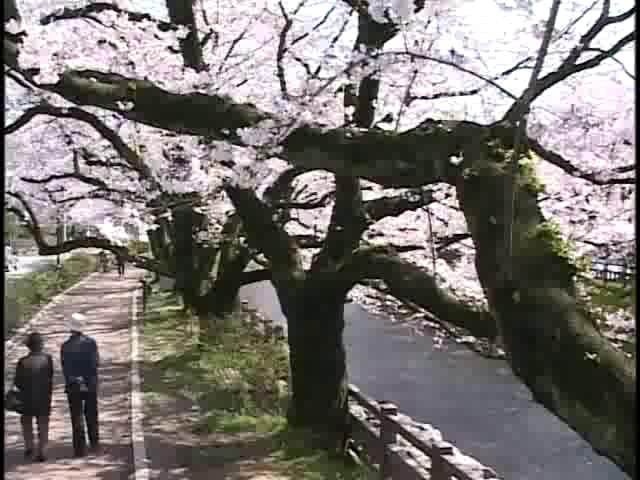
x: 222, y: 298
x: 551, y: 342
x: 181, y: 13
x: 315, y: 319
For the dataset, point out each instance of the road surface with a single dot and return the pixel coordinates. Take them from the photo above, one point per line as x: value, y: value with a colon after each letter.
x: 477, y: 403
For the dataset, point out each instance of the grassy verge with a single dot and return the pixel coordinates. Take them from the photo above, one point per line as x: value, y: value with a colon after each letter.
x: 27, y: 294
x: 613, y: 306
x: 237, y: 383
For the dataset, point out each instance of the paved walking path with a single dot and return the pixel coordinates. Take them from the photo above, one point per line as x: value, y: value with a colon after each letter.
x: 106, y: 301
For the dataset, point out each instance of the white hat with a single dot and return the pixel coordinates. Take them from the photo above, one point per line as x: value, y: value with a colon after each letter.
x: 76, y: 323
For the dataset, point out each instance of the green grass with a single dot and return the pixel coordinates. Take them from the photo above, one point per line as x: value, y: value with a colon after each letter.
x: 233, y: 381
x: 32, y: 291
x: 611, y: 296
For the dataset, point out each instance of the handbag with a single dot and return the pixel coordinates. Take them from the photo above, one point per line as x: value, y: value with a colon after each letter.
x: 13, y: 401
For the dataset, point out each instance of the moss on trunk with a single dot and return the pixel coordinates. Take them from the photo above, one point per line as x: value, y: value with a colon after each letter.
x: 551, y: 343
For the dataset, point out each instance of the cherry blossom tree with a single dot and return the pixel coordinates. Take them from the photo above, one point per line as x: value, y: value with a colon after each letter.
x: 406, y: 95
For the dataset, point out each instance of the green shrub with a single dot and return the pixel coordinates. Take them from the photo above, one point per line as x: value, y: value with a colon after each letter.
x: 27, y: 294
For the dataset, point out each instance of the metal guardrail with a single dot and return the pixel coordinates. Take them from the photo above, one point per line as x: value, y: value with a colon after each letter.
x: 613, y: 272
x: 400, y: 448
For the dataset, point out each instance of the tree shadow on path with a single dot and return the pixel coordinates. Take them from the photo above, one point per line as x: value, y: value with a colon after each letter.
x: 106, y: 301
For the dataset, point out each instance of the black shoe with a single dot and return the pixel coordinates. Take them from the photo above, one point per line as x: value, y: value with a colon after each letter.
x: 41, y: 458
x: 28, y: 453
x: 80, y: 454
x: 95, y: 449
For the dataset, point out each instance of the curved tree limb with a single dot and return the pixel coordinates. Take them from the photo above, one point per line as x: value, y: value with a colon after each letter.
x: 88, y: 11
x: 127, y: 153
x: 599, y: 178
x: 408, y: 282
x: 414, y: 158
x: 266, y: 235
x: 30, y: 220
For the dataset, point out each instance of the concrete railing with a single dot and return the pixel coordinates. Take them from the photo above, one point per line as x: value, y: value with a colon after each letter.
x: 399, y: 448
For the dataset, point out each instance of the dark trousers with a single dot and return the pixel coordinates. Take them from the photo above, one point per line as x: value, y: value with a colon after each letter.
x: 43, y: 433
x: 84, y: 407
x: 121, y: 269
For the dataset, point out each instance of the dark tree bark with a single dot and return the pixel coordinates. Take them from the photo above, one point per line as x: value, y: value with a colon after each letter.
x: 208, y: 294
x: 551, y: 342
x: 313, y: 301
x: 10, y: 10
x: 232, y: 259
x: 315, y: 322
x: 181, y: 13
x: 539, y: 316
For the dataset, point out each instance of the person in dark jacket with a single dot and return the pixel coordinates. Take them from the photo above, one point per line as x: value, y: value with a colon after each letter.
x: 121, y: 263
x: 80, y: 360
x: 34, y: 379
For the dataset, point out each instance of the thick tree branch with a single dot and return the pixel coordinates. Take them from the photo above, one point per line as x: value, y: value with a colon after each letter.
x: 88, y: 11
x: 181, y: 13
x: 599, y: 178
x: 408, y: 282
x: 10, y: 11
x: 266, y: 235
x: 255, y: 276
x: 383, y: 207
x: 414, y: 158
x: 30, y: 220
x: 411, y: 159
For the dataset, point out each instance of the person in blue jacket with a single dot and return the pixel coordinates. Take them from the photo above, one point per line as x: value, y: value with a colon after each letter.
x: 80, y: 359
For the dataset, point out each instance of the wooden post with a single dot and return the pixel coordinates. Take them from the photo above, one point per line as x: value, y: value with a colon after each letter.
x: 387, y: 437
x: 438, y: 467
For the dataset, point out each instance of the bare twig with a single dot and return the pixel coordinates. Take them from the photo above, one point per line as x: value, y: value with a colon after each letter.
x: 322, y: 21
x: 234, y: 44
x: 282, y: 49
x: 569, y: 65
x: 448, y: 63
x: 473, y: 91
x: 595, y: 178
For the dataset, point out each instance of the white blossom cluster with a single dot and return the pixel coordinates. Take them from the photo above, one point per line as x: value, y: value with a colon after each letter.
x: 424, y: 72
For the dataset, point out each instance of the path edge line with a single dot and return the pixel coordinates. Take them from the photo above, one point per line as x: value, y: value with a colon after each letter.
x: 13, y: 342
x: 140, y: 461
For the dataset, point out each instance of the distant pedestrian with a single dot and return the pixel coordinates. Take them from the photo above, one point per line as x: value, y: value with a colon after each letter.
x: 121, y: 263
x: 103, y: 261
x: 80, y: 360
x: 34, y: 381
